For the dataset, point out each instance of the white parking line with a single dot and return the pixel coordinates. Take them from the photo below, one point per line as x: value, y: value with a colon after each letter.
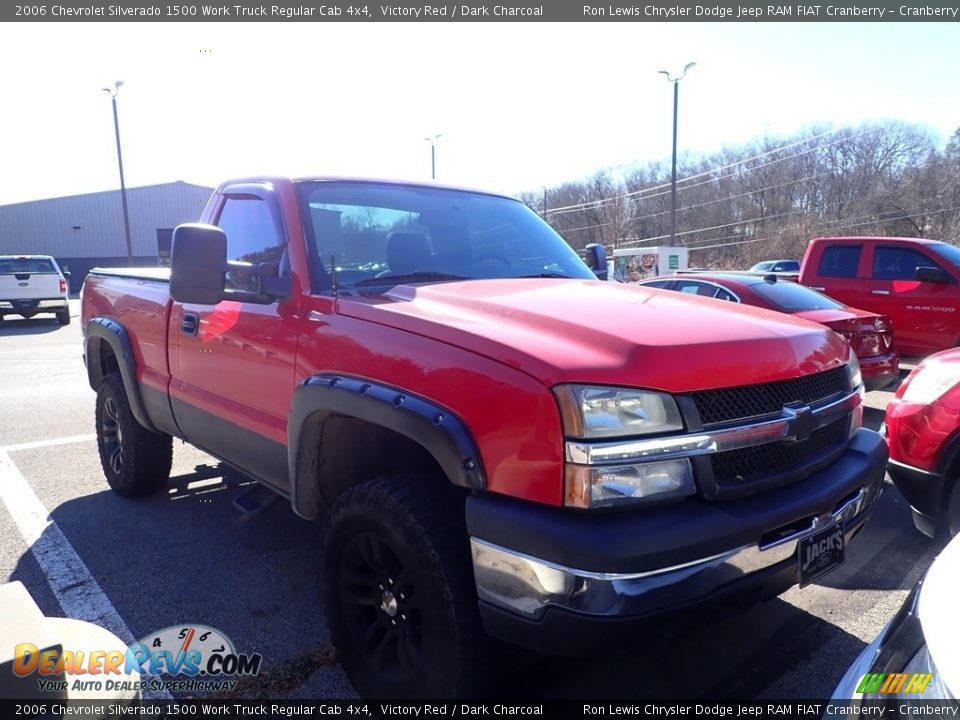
x: 78, y: 593
x: 47, y: 443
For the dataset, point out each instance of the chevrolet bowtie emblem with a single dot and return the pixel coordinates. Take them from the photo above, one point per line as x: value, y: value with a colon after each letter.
x: 801, y: 423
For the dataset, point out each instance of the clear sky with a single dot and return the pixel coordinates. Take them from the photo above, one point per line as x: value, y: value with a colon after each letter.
x: 519, y: 105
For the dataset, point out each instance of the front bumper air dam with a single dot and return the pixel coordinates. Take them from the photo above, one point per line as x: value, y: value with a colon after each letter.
x: 571, y: 581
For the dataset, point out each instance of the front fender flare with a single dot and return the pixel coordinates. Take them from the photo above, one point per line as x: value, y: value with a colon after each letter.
x: 439, y: 431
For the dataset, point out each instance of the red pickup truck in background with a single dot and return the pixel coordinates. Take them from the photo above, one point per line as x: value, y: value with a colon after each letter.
x: 914, y: 282
x: 499, y: 444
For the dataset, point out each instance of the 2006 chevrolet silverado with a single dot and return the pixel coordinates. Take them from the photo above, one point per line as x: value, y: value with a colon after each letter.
x: 499, y: 444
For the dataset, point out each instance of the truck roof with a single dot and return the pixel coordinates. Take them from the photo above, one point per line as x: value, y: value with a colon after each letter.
x: 858, y: 238
x: 26, y: 257
x: 356, y: 179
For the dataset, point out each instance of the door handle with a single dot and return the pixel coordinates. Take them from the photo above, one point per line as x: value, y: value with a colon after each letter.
x: 879, y: 292
x: 190, y: 324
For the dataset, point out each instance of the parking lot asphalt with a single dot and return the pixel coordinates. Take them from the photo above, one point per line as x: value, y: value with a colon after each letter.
x: 190, y: 556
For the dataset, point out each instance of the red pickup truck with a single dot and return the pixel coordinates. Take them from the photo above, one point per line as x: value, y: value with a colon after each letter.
x: 499, y: 444
x: 914, y: 282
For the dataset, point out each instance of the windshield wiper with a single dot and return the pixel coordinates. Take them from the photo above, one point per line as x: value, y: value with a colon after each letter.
x: 548, y: 275
x: 419, y: 276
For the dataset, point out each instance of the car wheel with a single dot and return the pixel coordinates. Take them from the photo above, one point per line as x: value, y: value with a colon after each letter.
x: 399, y: 593
x: 63, y: 317
x: 135, y: 460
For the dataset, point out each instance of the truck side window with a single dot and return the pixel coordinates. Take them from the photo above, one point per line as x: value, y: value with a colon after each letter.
x: 898, y: 263
x: 251, y: 235
x: 840, y: 261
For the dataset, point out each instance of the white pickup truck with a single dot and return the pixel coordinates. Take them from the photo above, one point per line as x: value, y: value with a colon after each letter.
x: 32, y: 284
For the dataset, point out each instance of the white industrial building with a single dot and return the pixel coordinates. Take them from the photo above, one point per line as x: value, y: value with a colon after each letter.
x: 86, y: 231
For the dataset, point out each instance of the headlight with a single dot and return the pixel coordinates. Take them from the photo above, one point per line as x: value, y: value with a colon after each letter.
x: 593, y: 486
x: 853, y: 371
x: 590, y: 411
x: 929, y: 382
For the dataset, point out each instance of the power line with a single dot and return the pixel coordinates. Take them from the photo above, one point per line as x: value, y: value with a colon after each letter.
x: 592, y: 204
x: 826, y: 225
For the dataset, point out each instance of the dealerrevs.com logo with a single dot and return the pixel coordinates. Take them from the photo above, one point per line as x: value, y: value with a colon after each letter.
x: 894, y: 683
x: 197, y: 657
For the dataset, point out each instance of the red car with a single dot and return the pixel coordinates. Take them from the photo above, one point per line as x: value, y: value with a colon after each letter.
x: 923, y: 433
x: 871, y: 335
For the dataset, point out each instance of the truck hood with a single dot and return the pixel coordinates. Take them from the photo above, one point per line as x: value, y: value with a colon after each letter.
x: 608, y: 333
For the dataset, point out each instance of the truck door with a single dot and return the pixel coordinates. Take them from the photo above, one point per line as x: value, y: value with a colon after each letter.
x: 924, y: 314
x: 233, y: 363
x: 838, y: 275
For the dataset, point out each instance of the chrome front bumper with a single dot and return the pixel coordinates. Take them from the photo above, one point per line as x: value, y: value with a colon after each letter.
x: 527, y: 585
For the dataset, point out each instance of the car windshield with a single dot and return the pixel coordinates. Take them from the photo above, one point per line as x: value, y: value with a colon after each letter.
x: 759, y: 267
x: 31, y: 266
x: 377, y: 235
x: 791, y: 297
x: 950, y: 253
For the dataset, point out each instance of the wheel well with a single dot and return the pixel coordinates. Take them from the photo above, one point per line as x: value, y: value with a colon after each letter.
x: 340, y: 451
x: 108, y: 360
x: 103, y: 361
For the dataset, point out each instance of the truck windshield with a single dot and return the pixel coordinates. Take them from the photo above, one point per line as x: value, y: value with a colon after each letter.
x: 950, y: 253
x: 791, y: 297
x: 378, y: 234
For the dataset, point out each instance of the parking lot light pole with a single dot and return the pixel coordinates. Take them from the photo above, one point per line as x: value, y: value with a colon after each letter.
x: 123, y: 187
x: 673, y: 176
x: 433, y: 155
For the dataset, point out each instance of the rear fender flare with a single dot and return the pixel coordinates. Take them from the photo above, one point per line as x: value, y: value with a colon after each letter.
x: 436, y: 429
x: 116, y: 336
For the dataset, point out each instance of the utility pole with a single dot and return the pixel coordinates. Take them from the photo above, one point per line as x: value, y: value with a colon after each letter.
x: 123, y: 187
x: 673, y: 175
x: 433, y: 155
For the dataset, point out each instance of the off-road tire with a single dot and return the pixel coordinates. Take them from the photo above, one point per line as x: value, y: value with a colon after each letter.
x: 63, y: 317
x: 399, y: 592
x: 135, y: 460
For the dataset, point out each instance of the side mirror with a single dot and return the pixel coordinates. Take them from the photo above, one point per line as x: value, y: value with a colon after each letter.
x: 198, y: 261
x: 597, y: 260
x: 934, y: 275
x: 66, y: 274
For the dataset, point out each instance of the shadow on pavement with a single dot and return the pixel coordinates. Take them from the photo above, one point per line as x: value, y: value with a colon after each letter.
x: 187, y: 555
